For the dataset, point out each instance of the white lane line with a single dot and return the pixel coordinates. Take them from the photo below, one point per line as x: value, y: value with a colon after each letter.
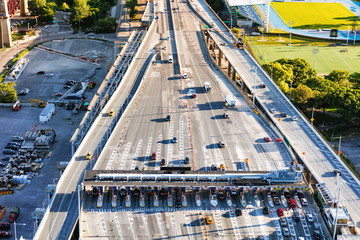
x: 131, y: 222
x: 118, y: 226
x: 159, y: 223
x: 181, y: 138
x: 170, y: 146
x: 235, y: 225
x: 218, y: 223
x: 136, y: 154
x: 148, y: 148
x: 124, y: 156
x: 189, y: 226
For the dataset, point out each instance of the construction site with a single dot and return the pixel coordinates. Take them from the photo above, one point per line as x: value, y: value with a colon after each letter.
x: 55, y: 84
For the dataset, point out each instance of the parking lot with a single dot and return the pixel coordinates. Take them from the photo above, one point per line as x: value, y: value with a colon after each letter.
x: 44, y: 76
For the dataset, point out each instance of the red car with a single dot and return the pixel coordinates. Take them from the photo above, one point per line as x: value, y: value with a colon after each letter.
x: 267, y: 139
x: 280, y: 212
x: 5, y: 235
x: 153, y: 156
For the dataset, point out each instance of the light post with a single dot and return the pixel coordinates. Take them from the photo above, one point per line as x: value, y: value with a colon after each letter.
x: 312, y: 117
x: 315, y: 51
x: 291, y: 22
x: 354, y: 37
x: 255, y: 73
x: 21, y: 224
x: 347, y: 38
x: 290, y: 89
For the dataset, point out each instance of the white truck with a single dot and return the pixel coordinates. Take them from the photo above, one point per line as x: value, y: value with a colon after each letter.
x: 230, y: 101
x: 207, y: 87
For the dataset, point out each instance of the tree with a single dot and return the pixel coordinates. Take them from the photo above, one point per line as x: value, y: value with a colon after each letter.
x: 301, y: 94
x: 65, y: 6
x: 281, y: 74
x: 301, y: 69
x: 43, y: 9
x: 7, y: 92
x: 348, y: 102
x: 106, y: 25
x: 81, y: 10
x: 355, y: 79
x: 339, y: 76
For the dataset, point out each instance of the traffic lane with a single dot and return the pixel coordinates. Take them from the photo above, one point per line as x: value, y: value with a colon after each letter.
x: 137, y: 127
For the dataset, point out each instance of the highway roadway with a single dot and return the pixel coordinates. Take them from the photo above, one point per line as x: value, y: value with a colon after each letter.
x: 197, y: 123
x: 316, y: 153
x: 158, y: 219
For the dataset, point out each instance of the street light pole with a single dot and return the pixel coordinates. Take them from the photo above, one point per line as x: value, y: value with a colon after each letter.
x: 21, y: 224
x: 316, y: 50
x: 255, y: 73
x: 312, y: 117
x: 291, y: 22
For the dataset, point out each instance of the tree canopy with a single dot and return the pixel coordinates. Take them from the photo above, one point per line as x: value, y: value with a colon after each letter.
x: 7, y: 92
x: 338, y: 89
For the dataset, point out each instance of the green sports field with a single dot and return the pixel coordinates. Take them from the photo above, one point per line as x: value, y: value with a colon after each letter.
x: 326, y: 60
x: 314, y: 15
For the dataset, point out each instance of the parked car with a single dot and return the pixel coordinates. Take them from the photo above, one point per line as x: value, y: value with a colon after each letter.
x: 213, y: 167
x: 7, y: 158
x: 272, y: 110
x: 262, y: 85
x: 294, y: 118
x: 5, y: 234
x: 153, y: 156
x: 17, y: 138
x: 283, y: 115
x: 40, y: 72
x: 13, y: 147
x: 9, y: 151
x: 221, y: 144
x: 174, y: 140
x: 168, y: 118
x: 187, y: 160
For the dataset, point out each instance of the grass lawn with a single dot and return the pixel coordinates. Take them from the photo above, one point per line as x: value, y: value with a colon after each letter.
x: 326, y: 60
x: 315, y: 15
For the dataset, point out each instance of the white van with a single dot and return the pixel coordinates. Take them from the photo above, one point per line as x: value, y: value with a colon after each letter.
x: 185, y: 75
x: 170, y: 59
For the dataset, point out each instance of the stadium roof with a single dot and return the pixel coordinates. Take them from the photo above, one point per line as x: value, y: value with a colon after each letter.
x: 233, y: 3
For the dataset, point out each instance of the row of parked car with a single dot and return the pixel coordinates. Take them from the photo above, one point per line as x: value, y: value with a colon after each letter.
x: 12, y: 147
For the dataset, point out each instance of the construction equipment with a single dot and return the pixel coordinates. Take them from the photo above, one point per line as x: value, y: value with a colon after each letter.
x: 14, y: 213
x: 43, y: 131
x: 16, y: 106
x: 38, y: 103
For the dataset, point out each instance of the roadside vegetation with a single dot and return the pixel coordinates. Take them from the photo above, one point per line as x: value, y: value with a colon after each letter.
x: 87, y: 15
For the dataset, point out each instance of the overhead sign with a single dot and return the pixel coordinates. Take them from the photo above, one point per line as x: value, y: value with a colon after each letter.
x: 233, y: 3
